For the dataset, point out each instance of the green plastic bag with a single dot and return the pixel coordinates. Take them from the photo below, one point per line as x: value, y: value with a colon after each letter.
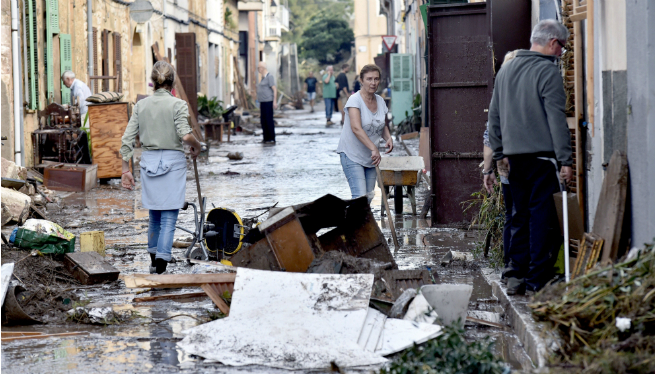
x: 45, y: 236
x: 559, y: 264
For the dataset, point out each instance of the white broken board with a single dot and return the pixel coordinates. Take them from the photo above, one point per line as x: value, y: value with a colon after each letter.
x: 399, y: 334
x: 420, y: 310
x: 290, y: 321
x: 6, y: 272
x: 372, y: 330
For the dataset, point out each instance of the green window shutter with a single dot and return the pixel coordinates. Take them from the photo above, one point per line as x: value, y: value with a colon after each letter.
x: 65, y: 52
x: 32, y: 55
x: 402, y: 82
x: 53, y: 14
x: 52, y: 28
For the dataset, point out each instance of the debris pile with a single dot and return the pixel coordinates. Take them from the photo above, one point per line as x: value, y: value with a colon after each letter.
x: 23, y: 194
x: 605, y: 320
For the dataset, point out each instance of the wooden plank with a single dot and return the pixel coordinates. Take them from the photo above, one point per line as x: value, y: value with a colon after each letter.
x: 588, y: 253
x: 56, y: 65
x: 6, y: 334
x: 608, y: 221
x: 291, y: 246
x: 90, y: 267
x: 214, y: 293
x: 175, y: 280
x: 179, y: 89
x: 178, y: 296
x: 411, y: 135
x: 578, y: 17
x: 107, y: 125
x: 44, y: 336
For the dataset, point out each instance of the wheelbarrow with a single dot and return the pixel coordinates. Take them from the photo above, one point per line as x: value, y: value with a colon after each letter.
x: 401, y: 173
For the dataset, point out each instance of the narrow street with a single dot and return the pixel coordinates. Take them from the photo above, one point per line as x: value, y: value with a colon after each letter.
x: 300, y: 168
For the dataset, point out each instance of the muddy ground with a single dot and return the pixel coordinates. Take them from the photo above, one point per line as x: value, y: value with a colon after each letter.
x: 300, y: 168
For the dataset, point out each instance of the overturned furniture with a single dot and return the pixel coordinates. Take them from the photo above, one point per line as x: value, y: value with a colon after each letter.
x: 59, y: 137
x: 288, y: 241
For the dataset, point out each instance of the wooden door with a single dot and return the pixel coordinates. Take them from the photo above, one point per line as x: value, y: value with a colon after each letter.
x: 187, y: 66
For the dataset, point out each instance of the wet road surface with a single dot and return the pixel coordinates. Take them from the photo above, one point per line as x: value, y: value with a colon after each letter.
x: 300, y: 168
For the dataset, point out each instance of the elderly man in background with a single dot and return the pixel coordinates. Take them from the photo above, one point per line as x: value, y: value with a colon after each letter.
x: 527, y: 124
x: 80, y: 91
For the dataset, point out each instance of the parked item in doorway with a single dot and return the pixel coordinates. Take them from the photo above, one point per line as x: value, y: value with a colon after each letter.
x: 105, y: 97
x: 44, y: 236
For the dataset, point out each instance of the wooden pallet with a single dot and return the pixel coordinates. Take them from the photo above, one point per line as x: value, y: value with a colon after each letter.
x: 588, y: 254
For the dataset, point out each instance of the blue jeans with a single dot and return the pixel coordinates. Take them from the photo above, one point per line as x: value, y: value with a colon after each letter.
x: 360, y: 178
x: 329, y: 107
x: 161, y: 229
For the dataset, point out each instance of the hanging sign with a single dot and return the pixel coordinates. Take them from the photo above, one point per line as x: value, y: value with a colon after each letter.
x: 389, y: 41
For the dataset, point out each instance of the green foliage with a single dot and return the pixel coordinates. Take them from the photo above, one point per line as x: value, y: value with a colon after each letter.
x: 303, y: 11
x: 229, y: 21
x: 449, y: 353
x: 492, y: 219
x: 210, y: 108
x: 325, y: 38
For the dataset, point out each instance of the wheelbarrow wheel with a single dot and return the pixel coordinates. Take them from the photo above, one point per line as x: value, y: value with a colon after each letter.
x: 398, y: 199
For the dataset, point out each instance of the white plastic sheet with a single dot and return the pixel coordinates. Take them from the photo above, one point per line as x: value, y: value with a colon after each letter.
x: 6, y: 271
x: 290, y: 321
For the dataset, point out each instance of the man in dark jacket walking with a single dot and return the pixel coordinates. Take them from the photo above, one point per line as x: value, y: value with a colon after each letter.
x: 527, y: 124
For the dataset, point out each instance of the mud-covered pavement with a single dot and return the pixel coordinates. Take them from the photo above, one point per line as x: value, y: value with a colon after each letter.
x: 300, y: 168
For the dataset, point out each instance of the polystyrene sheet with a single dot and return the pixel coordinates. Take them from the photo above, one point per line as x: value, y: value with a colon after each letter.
x: 289, y: 320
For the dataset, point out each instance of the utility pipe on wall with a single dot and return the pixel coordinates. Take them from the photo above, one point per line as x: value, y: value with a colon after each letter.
x: 89, y: 31
x: 15, y: 54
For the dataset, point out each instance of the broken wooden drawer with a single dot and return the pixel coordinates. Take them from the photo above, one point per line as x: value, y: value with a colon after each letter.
x: 90, y: 267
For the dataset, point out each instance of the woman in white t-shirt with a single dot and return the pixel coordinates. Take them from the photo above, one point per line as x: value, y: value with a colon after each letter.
x: 363, y: 127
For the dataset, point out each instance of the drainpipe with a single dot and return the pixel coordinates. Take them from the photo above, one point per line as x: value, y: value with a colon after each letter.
x: 165, y: 52
x: 15, y: 54
x: 89, y: 31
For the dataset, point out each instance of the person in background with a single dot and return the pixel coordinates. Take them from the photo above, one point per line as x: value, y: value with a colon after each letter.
x: 310, y: 88
x: 161, y: 122
x: 79, y: 92
x: 329, y: 93
x: 342, y: 87
x: 490, y: 180
x: 527, y: 124
x: 363, y: 128
x: 357, y: 85
x: 267, y: 96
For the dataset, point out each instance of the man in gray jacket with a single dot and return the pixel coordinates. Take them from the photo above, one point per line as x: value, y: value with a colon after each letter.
x: 527, y: 125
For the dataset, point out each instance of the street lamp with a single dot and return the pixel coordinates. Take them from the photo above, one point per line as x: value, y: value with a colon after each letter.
x: 273, y: 7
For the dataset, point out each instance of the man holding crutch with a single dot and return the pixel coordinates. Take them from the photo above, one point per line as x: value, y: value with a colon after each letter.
x: 527, y: 124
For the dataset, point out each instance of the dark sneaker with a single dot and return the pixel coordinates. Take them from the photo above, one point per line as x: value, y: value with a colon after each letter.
x: 160, y: 265
x: 153, y: 270
x: 515, y: 286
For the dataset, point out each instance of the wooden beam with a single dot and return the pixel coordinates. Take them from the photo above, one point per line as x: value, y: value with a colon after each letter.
x: 43, y: 336
x: 576, y: 17
x: 214, y: 293
x: 580, y: 9
x: 193, y: 122
x: 175, y: 280
x: 176, y: 296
